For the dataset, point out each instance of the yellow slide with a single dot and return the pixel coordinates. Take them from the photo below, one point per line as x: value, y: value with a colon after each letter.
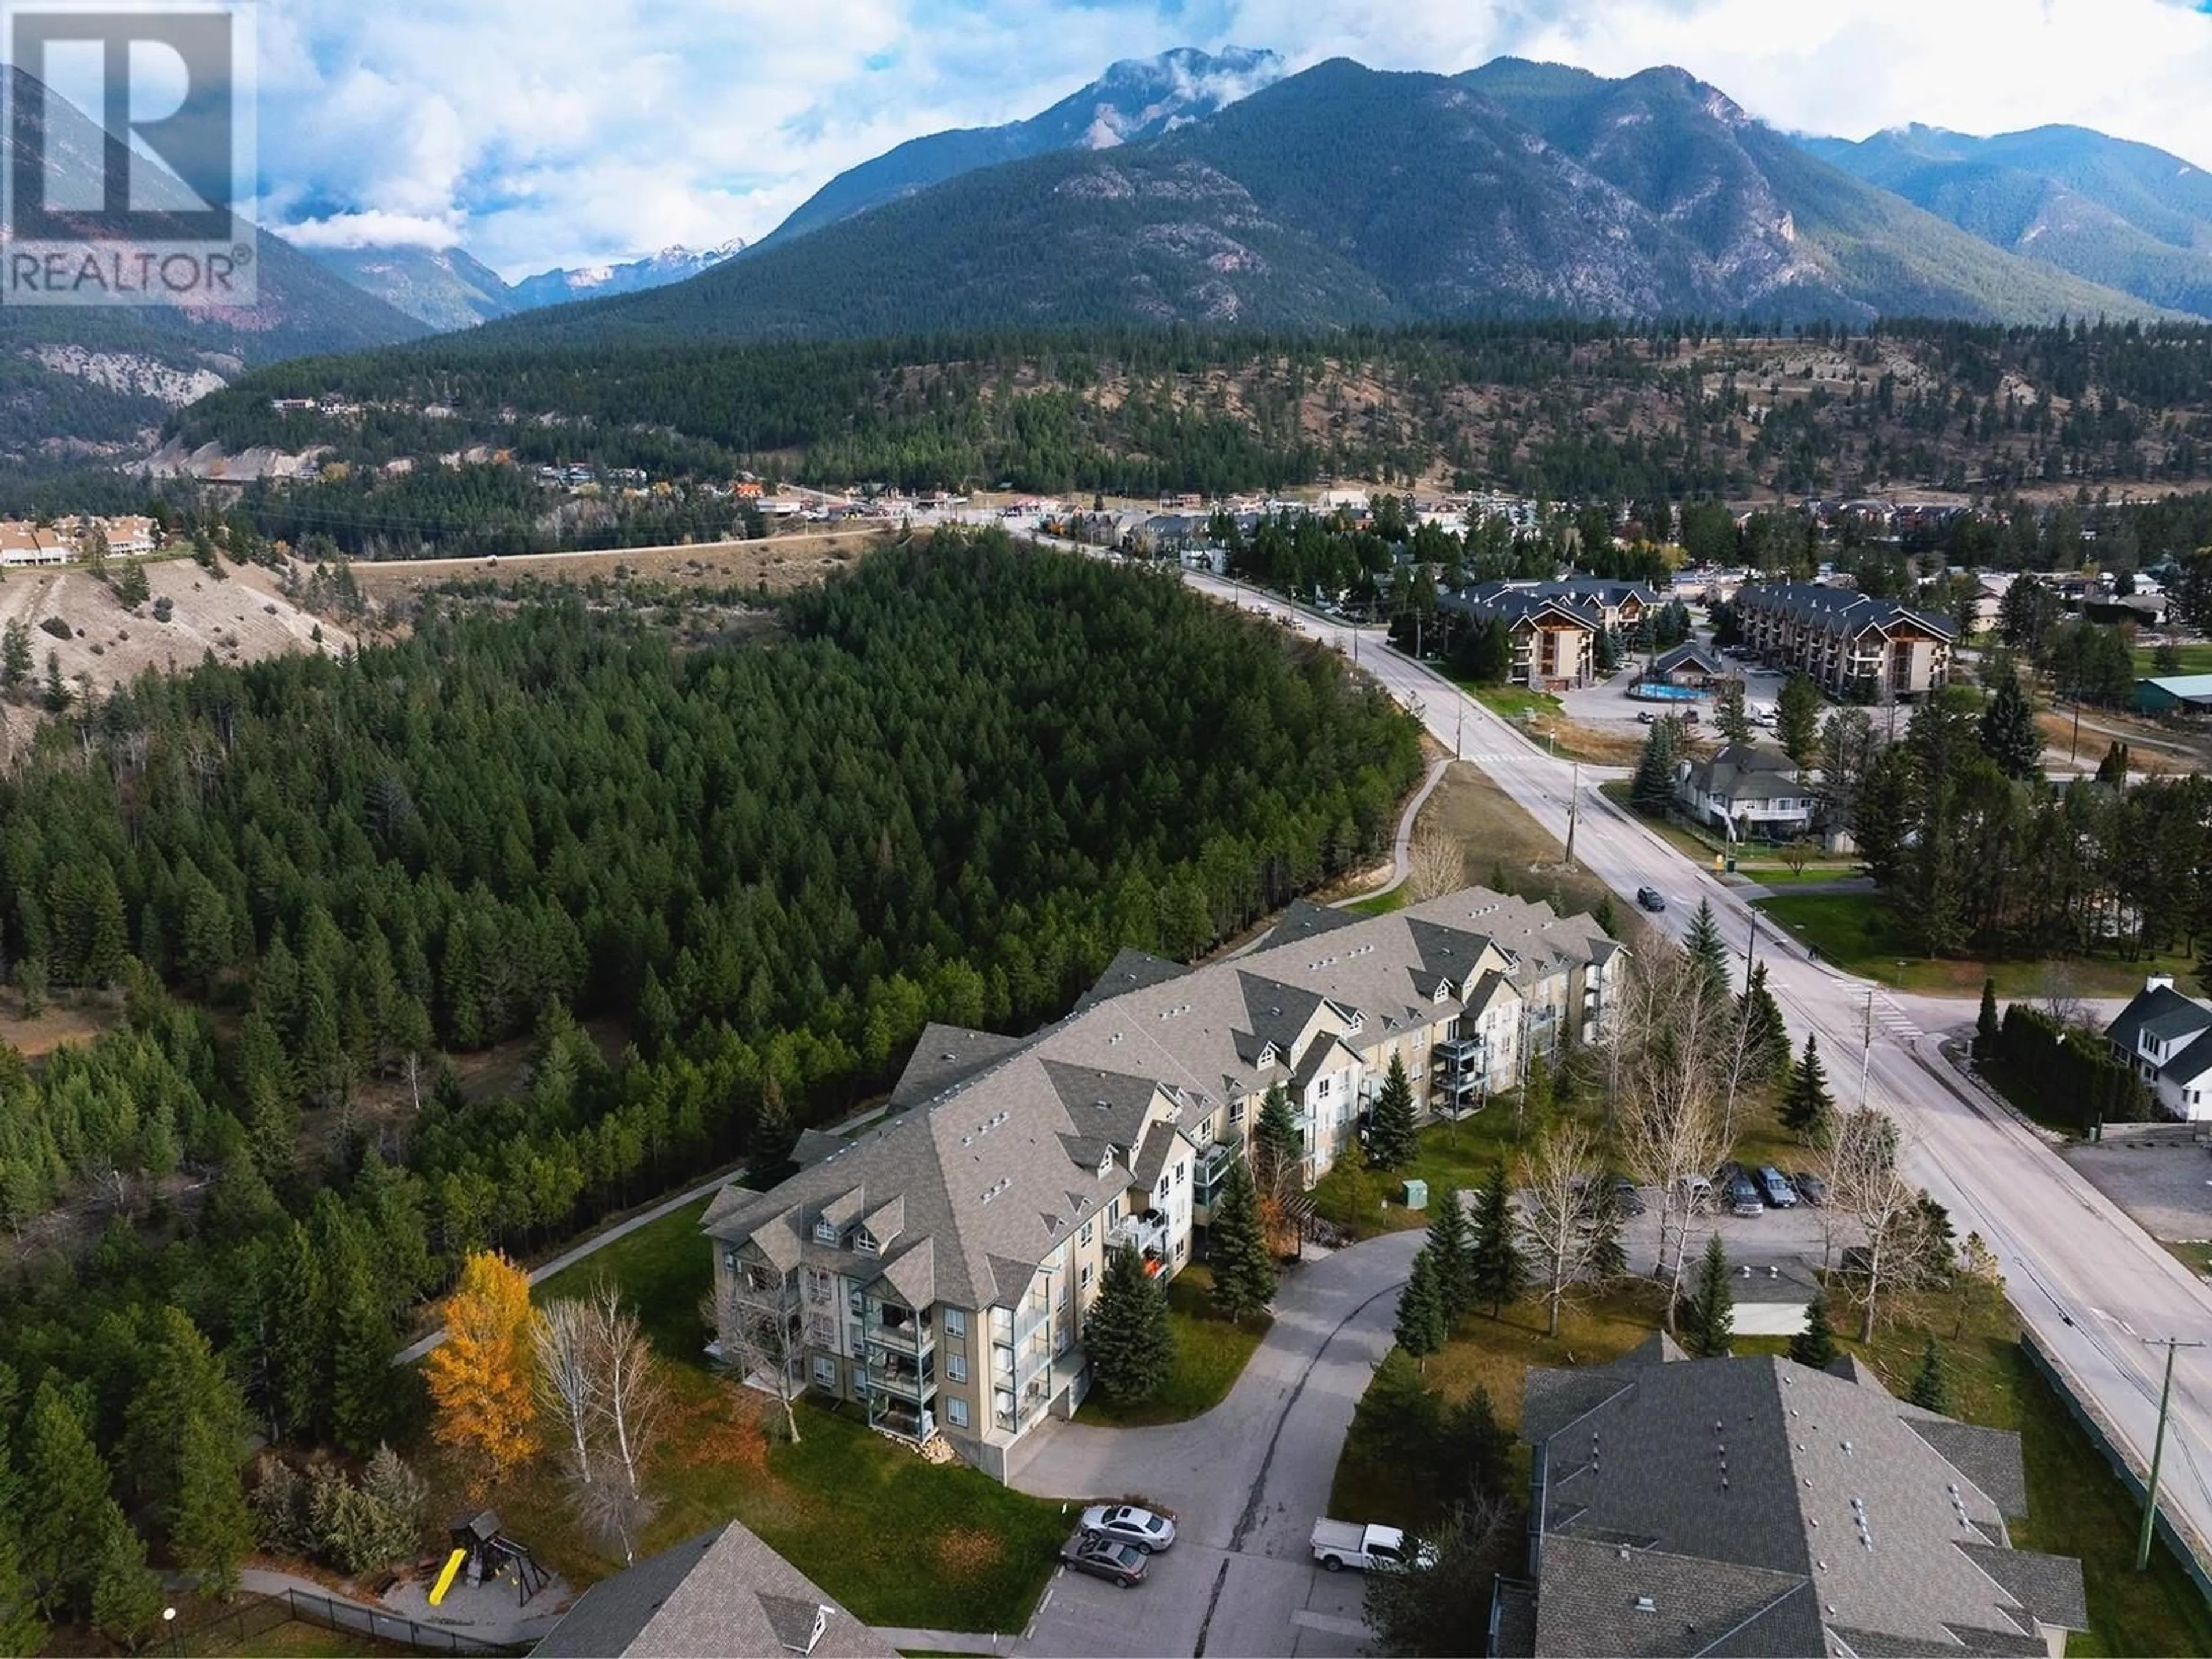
x: 445, y: 1578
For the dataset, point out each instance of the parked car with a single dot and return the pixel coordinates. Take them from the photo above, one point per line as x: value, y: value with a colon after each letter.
x: 1643, y: 717
x: 1101, y: 1558
x: 1626, y: 1198
x: 1340, y: 1544
x: 1774, y: 1187
x: 1125, y: 1523
x: 1696, y: 1193
x: 1651, y: 898
x: 1743, y: 1197
x: 1813, y: 1188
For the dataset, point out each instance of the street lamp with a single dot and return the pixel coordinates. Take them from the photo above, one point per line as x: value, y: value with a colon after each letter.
x: 169, y: 1623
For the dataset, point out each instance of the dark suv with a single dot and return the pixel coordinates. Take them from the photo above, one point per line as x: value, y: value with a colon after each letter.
x: 1651, y: 898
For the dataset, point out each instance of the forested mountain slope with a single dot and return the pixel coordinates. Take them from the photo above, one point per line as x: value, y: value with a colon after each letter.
x: 1343, y: 196
x: 1552, y: 409
x: 2126, y: 214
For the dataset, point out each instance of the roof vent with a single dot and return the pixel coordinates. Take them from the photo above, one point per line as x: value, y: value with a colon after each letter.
x: 948, y: 1055
x: 1645, y: 1604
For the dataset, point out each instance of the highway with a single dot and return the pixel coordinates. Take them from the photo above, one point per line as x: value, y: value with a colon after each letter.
x: 2089, y: 1284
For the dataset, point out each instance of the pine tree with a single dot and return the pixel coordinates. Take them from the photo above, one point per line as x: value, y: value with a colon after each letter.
x: 1422, y: 1326
x: 2009, y: 733
x: 1499, y: 1269
x: 2114, y: 768
x: 1609, y: 1254
x: 1652, y: 790
x: 1390, y: 1138
x: 1608, y: 922
x: 1815, y: 1346
x: 774, y: 1135
x: 66, y: 1531
x: 1931, y: 1388
x: 1729, y: 713
x: 1707, y: 948
x: 1450, y: 1250
x: 1126, y: 1333
x: 1236, y: 1249
x: 1987, y: 1025
x: 296, y: 1316
x: 23, y: 1632
x: 1709, y: 1323
x: 208, y: 1523
x: 1275, y: 1140
x: 126, y: 1593
x: 1476, y: 1458
x: 1767, y: 1034
x: 1807, y: 1110
x: 1797, y: 717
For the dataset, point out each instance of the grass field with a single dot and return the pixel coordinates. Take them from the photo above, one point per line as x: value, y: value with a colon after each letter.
x: 1859, y: 933
x: 1498, y: 838
x: 973, y: 1555
x: 1210, y: 1356
x: 1763, y: 864
x: 2195, y: 660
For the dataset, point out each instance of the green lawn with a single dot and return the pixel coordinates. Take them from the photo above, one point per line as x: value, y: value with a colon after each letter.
x: 2195, y: 660
x: 1383, y: 903
x: 1700, y: 847
x: 1210, y: 1356
x: 664, y: 1269
x: 971, y: 1554
x: 1859, y: 933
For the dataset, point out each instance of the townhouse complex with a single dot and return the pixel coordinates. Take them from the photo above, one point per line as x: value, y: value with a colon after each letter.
x: 1849, y: 645
x: 938, y: 1270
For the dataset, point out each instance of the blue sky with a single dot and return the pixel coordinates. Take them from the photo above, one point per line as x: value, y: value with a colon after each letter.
x: 542, y: 132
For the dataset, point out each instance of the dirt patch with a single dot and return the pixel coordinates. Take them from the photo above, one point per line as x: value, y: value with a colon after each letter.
x: 76, y: 1018
x: 1495, y: 837
x: 965, y: 1553
x: 780, y: 563
x: 240, y: 618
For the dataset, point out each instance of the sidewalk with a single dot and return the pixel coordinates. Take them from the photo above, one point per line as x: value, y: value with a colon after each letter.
x: 944, y: 1641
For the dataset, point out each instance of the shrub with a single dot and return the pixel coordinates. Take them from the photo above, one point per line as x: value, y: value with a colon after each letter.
x: 57, y: 628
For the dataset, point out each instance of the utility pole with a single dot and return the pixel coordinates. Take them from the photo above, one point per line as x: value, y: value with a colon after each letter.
x: 1750, y: 947
x: 1459, y: 729
x: 1866, y: 1047
x: 2157, y: 1446
x: 1574, y: 799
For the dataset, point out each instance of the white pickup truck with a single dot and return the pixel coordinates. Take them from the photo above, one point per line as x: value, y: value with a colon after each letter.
x: 1340, y: 1544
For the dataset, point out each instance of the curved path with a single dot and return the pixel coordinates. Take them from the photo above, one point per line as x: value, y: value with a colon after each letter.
x: 1246, y: 1482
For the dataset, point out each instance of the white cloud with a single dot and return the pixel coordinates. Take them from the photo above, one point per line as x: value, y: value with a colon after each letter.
x: 569, y: 131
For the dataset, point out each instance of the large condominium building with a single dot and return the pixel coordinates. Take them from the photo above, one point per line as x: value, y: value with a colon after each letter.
x: 938, y: 1269
x: 1553, y: 626
x: 1846, y: 643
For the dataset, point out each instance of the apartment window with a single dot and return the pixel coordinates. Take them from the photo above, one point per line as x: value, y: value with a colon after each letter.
x: 1088, y: 1226
x: 1179, y: 1249
x: 956, y: 1367
x: 1113, y: 1212
x: 1183, y: 1173
x: 956, y: 1322
x: 1162, y: 1189
x: 1086, y: 1275
x: 825, y: 1372
x: 825, y: 1231
x: 955, y: 1412
x: 1236, y: 1111
x: 1321, y: 1089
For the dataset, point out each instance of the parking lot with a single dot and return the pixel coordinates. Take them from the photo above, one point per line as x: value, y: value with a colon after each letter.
x: 1805, y: 1235
x: 2165, y: 1183
x: 1608, y: 704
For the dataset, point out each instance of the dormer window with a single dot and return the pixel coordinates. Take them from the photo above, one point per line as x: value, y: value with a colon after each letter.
x: 1358, y: 1020
x: 864, y: 1241
x: 825, y: 1230
x: 1268, y: 1056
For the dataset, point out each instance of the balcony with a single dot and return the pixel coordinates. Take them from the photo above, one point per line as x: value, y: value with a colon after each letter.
x: 1028, y: 1319
x: 900, y: 1330
x: 762, y: 1292
x: 895, y: 1416
x: 1213, y: 1166
x: 887, y: 1374
x: 1147, y: 1234
x: 1459, y: 1057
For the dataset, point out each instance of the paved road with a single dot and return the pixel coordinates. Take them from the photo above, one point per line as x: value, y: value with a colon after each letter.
x: 1246, y: 1482
x: 2088, y: 1282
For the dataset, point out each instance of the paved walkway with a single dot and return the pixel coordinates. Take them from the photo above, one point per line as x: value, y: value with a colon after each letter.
x: 415, y: 1350
x: 943, y: 1640
x: 1246, y: 1482
x: 1401, y: 850
x: 484, y: 1613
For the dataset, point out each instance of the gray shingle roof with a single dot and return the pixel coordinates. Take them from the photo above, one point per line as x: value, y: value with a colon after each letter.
x: 1130, y: 970
x: 1838, y: 609
x: 2157, y: 1003
x: 1704, y: 1485
x: 1689, y: 654
x: 723, y: 1592
x: 1019, y: 1142
x: 944, y: 1057
x: 1748, y: 771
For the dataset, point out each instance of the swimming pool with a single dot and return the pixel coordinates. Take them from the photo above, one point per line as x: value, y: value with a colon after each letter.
x: 1660, y: 691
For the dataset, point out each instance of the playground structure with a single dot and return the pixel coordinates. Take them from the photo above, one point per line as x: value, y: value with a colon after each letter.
x: 485, y: 1554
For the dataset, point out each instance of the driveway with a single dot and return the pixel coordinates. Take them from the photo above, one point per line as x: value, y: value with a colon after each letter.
x: 1246, y: 1483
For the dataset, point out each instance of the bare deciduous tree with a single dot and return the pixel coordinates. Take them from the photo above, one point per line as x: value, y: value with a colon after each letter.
x: 762, y: 1340
x: 1559, y: 1184
x: 1437, y: 864
x: 1674, y: 1032
x: 567, y: 1381
x: 630, y: 1398
x: 1869, y: 1187
x: 2057, y: 989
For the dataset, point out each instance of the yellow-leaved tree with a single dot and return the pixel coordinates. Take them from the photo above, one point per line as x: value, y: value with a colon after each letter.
x: 480, y: 1376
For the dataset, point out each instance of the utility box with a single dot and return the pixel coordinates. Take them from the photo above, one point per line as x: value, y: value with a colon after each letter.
x: 1416, y: 1194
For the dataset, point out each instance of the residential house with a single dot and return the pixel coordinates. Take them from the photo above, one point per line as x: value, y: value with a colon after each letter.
x: 1689, y: 664
x: 2163, y: 1035
x: 1845, y: 642
x: 1757, y: 1506
x: 1750, y: 790
x: 724, y: 1591
x: 1554, y: 641
x: 25, y: 543
x: 937, y: 1271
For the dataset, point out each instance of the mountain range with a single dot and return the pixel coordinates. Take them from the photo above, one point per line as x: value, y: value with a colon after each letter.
x: 448, y: 289
x: 2126, y: 214
x: 1346, y: 196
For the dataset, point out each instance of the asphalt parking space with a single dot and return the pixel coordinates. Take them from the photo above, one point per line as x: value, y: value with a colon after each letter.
x: 1080, y: 1614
